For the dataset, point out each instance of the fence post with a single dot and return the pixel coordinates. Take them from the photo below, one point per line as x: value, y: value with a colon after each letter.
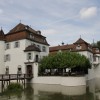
x: 2, y: 83
x: 24, y: 80
x: 9, y: 79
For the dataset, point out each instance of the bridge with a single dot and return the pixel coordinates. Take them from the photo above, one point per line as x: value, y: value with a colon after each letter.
x: 7, y: 78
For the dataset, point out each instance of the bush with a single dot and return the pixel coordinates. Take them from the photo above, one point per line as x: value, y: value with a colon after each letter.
x: 14, y: 87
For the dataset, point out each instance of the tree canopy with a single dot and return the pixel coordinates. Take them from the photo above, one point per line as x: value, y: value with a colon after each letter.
x: 97, y: 44
x: 64, y: 60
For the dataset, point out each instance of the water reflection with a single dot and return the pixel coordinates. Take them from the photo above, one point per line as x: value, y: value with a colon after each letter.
x: 57, y: 92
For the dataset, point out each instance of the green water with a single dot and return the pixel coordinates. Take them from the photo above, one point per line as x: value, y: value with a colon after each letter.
x: 57, y: 92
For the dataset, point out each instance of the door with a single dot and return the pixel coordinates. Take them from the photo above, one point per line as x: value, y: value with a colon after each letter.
x: 29, y: 70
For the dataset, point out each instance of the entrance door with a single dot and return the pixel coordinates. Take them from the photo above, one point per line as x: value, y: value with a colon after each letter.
x: 29, y: 70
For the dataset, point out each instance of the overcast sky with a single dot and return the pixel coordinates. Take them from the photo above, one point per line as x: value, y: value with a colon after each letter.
x: 59, y: 20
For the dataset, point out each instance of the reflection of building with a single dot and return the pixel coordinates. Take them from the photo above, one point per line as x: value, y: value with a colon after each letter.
x: 20, y: 48
x: 84, y: 48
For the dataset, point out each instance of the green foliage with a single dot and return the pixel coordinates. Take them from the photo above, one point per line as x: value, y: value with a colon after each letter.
x: 97, y: 44
x: 14, y: 87
x: 65, y: 60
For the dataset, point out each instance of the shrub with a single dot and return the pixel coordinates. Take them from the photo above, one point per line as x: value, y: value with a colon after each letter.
x: 14, y: 87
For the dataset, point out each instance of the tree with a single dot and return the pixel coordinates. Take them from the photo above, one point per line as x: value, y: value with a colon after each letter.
x: 65, y: 60
x: 98, y: 44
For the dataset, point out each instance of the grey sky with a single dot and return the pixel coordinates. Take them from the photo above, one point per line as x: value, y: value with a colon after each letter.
x: 59, y: 20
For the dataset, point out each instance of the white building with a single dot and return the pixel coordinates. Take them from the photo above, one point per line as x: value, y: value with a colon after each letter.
x: 84, y: 48
x: 20, y: 48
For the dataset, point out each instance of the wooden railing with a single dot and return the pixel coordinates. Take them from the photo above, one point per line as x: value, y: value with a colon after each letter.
x: 15, y: 76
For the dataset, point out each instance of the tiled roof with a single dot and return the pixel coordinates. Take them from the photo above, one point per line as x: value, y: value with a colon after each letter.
x: 79, y: 45
x: 22, y: 31
x: 79, y: 41
x: 2, y: 37
x: 32, y: 48
x: 21, y: 27
x: 62, y: 47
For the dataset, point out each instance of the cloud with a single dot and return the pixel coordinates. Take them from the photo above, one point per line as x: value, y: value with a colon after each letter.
x: 1, y: 11
x: 86, y: 13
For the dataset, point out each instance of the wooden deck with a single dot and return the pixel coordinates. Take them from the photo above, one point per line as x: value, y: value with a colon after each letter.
x: 7, y: 77
x: 20, y: 78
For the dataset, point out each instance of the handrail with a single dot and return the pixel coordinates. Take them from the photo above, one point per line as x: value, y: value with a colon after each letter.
x: 15, y: 76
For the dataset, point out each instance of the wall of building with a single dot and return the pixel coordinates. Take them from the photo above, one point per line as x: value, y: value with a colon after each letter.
x: 17, y: 57
x: 2, y: 49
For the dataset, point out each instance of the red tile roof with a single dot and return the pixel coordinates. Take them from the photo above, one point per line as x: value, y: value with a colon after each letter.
x: 22, y: 31
x: 84, y: 46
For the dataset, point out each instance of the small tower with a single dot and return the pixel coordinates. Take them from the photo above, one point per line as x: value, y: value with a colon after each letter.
x: 2, y: 49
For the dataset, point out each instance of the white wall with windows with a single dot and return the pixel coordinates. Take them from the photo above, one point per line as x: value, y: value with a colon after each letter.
x: 15, y: 55
x: 32, y: 56
x: 2, y: 51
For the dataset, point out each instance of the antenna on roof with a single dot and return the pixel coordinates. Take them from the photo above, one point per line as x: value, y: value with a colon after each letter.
x: 20, y: 21
x: 80, y: 36
x: 93, y: 40
x: 1, y: 28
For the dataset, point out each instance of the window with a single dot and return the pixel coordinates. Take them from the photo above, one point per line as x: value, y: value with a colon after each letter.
x: 39, y: 47
x: 16, y: 44
x: 31, y: 36
x: 7, y: 46
x: 44, y: 40
x: 78, y: 47
x: 19, y: 71
x: 44, y: 49
x: 94, y: 58
x: 97, y: 50
x: 7, y: 57
x: 90, y: 57
x: 7, y: 70
x: 29, y: 56
x: 36, y: 58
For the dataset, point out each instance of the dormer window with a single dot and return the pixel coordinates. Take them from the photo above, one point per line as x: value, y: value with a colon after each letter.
x: 59, y: 51
x: 78, y: 47
x: 44, y: 40
x: 97, y: 50
x: 90, y: 48
x: 31, y: 36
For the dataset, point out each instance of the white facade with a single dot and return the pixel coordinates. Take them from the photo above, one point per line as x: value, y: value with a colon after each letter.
x: 17, y: 57
x: 2, y: 52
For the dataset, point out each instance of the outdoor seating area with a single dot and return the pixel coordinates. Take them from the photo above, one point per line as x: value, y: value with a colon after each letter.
x: 61, y: 72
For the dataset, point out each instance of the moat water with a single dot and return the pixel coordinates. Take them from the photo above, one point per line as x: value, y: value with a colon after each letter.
x: 57, y: 92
